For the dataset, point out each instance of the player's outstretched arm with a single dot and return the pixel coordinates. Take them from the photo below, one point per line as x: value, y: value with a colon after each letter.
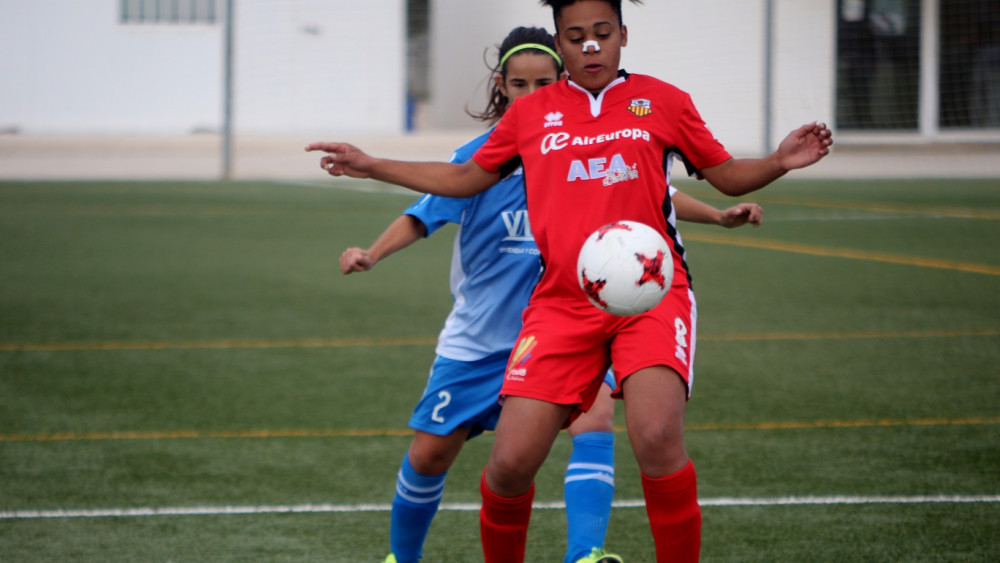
x: 696, y: 211
x: 439, y: 178
x: 802, y: 147
x: 402, y: 232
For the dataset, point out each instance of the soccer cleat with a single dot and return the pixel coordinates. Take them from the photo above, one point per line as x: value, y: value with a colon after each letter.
x: 598, y: 555
x: 390, y: 559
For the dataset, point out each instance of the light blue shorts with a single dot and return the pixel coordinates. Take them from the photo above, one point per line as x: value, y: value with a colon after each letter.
x: 465, y: 395
x: 461, y: 395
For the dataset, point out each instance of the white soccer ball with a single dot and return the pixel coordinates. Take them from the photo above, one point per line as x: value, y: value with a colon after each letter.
x: 625, y: 268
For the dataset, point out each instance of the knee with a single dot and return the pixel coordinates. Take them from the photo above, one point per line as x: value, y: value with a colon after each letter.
x: 600, y: 418
x: 658, y: 447
x: 509, y: 475
x: 431, y: 454
x: 430, y: 462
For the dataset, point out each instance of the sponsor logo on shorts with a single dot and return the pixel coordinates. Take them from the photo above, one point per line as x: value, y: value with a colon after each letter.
x: 680, y: 334
x: 515, y: 368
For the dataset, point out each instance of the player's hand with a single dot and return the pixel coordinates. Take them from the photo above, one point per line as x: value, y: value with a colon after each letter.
x: 739, y: 215
x: 805, y: 146
x: 343, y: 159
x: 355, y: 260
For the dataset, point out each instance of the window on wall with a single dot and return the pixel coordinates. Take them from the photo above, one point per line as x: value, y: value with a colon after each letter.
x: 418, y: 87
x: 169, y: 12
x: 969, y: 68
x: 878, y: 64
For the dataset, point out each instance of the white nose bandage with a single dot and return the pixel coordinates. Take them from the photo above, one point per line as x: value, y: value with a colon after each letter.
x: 591, y: 43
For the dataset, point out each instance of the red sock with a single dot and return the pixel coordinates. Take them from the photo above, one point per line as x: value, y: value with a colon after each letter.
x: 503, y: 524
x: 674, y: 515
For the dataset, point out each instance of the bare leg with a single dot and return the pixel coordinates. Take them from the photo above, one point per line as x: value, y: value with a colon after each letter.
x: 525, y: 433
x: 431, y: 454
x: 600, y: 417
x: 655, y: 399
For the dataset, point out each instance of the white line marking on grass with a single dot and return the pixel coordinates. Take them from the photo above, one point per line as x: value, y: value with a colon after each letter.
x: 468, y: 507
x: 372, y: 188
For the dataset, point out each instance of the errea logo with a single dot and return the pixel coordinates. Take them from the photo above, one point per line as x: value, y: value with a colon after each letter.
x: 553, y: 119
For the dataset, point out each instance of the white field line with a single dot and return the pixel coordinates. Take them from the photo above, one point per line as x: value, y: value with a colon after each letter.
x: 371, y: 188
x: 466, y: 507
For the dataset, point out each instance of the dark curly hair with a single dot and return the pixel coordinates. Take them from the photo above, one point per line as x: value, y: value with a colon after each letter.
x: 558, y: 5
x: 518, y: 36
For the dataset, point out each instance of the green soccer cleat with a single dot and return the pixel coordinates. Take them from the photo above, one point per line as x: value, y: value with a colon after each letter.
x: 598, y: 555
x: 390, y: 559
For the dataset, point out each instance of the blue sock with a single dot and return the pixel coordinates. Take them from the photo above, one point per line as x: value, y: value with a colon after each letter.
x: 589, y: 489
x: 414, y: 506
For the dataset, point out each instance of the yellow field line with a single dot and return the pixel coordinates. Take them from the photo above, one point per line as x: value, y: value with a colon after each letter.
x: 953, y: 212
x: 880, y: 207
x: 869, y: 255
x: 786, y: 425
x: 211, y: 344
x: 179, y: 434
x: 385, y: 432
x: 125, y: 345
x: 859, y: 335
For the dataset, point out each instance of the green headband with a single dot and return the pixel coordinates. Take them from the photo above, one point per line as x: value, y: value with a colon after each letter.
x: 538, y: 46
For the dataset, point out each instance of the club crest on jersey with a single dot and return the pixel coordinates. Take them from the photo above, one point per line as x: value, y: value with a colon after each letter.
x: 641, y: 107
x: 553, y: 119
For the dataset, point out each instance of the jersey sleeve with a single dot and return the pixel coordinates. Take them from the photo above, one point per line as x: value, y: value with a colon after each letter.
x: 501, y: 147
x: 437, y: 211
x: 698, y: 147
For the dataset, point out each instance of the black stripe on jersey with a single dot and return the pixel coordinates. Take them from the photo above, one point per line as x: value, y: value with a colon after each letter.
x: 508, y: 168
x: 524, y: 186
x: 691, y: 169
x: 668, y: 206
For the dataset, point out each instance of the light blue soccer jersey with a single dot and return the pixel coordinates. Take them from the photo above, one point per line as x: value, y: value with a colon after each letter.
x: 494, y: 267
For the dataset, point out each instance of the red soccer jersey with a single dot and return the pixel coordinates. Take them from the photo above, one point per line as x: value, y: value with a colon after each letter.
x: 590, y: 161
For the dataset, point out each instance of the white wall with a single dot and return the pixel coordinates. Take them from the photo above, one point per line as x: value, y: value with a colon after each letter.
x: 805, y: 64
x: 713, y: 49
x: 310, y: 67
x: 69, y: 67
x: 460, y: 32
x: 302, y: 66
x: 321, y: 66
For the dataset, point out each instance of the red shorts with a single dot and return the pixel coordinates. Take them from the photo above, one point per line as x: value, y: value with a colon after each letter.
x: 564, y: 350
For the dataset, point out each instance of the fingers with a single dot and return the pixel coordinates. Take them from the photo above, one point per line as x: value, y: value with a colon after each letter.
x: 355, y: 260
x: 342, y: 159
x: 323, y: 146
x: 821, y: 131
x: 327, y: 163
x: 741, y: 214
x: 733, y: 217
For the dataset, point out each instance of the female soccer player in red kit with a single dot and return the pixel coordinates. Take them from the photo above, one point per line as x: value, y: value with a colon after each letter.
x: 594, y: 147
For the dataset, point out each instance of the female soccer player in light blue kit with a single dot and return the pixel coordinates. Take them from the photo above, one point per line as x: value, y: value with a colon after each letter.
x: 495, y: 265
